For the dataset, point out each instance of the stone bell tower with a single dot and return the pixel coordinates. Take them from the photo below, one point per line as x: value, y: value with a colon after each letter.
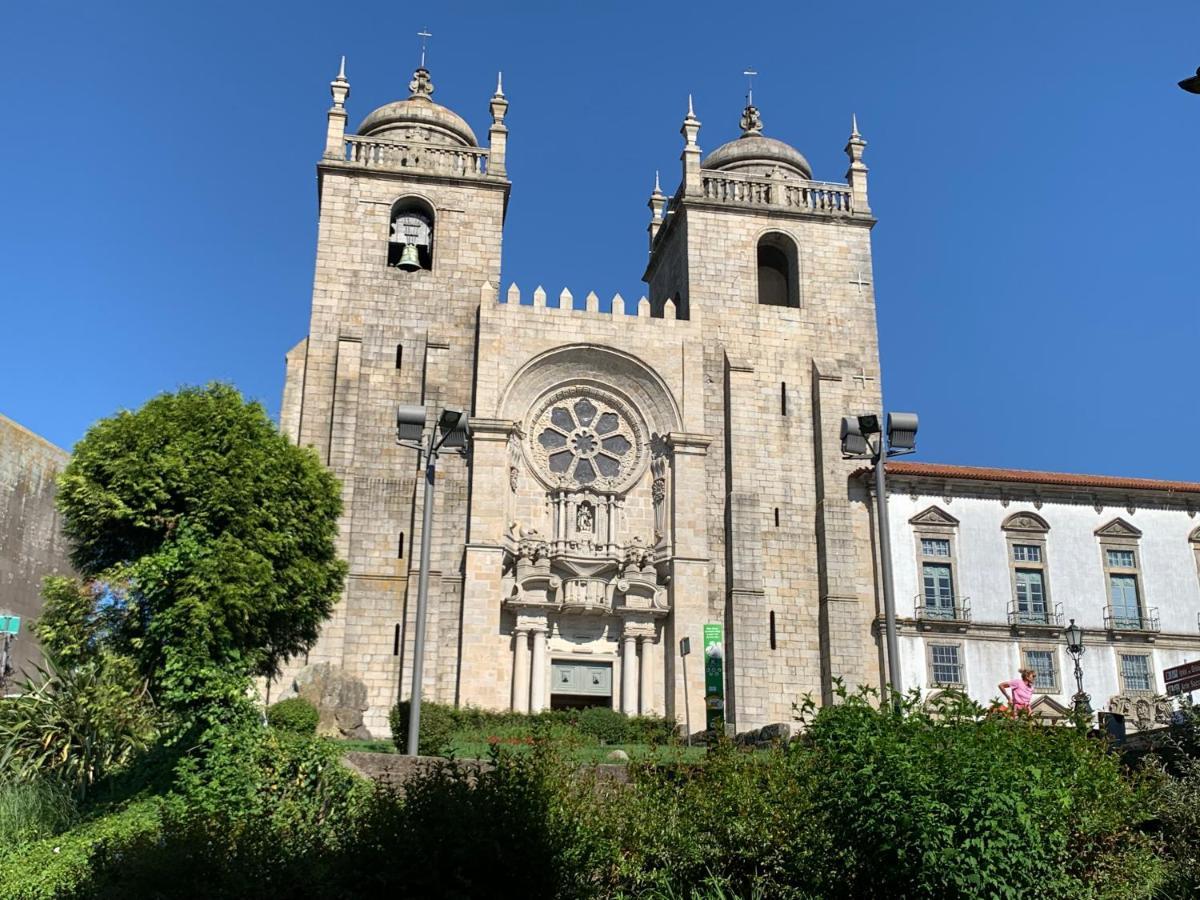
x: 776, y: 268
x: 410, y: 225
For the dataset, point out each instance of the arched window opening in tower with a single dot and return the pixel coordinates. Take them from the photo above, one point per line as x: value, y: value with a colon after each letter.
x: 410, y: 236
x: 777, y: 271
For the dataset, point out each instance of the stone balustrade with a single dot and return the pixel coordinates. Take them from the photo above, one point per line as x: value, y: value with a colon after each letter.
x: 758, y: 191
x: 397, y: 156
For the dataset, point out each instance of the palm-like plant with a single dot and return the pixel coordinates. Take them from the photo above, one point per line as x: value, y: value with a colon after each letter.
x: 75, y: 725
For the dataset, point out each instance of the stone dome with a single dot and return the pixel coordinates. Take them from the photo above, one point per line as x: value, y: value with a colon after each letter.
x: 418, y: 113
x: 756, y: 154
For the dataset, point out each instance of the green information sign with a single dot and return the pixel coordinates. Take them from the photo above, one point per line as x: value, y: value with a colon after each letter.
x: 714, y: 677
x: 10, y: 624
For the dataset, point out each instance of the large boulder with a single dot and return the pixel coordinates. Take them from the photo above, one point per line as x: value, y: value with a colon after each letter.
x: 340, y: 699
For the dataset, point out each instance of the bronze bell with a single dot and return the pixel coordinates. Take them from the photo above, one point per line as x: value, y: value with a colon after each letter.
x: 409, y: 261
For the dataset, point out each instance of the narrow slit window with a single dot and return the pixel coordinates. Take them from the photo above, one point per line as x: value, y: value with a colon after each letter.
x: 396, y: 640
x: 783, y: 409
x: 772, y: 627
x: 400, y: 547
x: 399, y: 355
x: 777, y: 517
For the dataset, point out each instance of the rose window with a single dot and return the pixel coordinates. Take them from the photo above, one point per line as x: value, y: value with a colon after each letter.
x: 585, y: 440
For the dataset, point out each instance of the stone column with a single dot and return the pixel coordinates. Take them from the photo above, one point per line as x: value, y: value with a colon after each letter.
x: 537, y: 680
x: 688, y: 530
x: 629, y: 674
x: 646, y: 706
x: 482, y: 664
x: 520, y: 685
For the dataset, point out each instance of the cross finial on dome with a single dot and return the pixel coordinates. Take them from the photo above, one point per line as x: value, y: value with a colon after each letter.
x: 749, y: 73
x: 423, y: 34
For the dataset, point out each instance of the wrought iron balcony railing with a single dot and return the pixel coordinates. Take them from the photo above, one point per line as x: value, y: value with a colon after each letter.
x: 1044, y: 618
x: 959, y: 611
x: 1124, y: 620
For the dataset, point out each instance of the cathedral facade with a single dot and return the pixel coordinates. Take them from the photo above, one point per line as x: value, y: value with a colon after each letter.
x: 634, y: 473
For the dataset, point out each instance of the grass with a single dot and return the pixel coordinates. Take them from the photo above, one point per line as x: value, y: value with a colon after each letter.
x: 32, y: 810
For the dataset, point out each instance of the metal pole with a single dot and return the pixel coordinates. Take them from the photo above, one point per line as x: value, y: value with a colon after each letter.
x: 885, y: 556
x: 414, y: 705
x: 687, y: 707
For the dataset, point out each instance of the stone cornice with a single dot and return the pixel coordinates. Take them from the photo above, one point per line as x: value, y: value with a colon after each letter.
x: 493, y: 429
x: 686, y: 442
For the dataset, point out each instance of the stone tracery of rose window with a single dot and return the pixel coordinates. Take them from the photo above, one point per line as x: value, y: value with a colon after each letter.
x: 582, y: 438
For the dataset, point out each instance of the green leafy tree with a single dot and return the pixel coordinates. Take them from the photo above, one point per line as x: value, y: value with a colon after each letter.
x: 206, y: 541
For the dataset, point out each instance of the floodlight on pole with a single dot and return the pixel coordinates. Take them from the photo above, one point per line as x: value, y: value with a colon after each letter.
x: 901, y: 438
x: 451, y: 433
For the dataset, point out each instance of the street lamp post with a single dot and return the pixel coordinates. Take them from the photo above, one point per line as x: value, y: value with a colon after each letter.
x: 453, y: 427
x: 1081, y: 701
x: 857, y: 444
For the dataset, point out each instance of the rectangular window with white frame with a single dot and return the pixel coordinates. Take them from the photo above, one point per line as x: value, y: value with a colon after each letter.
x: 945, y: 665
x: 1026, y: 534
x: 934, y: 537
x: 1044, y: 662
x: 1137, y: 674
x: 1125, y: 609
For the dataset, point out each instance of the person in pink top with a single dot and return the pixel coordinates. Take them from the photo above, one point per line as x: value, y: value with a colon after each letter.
x: 1019, y: 691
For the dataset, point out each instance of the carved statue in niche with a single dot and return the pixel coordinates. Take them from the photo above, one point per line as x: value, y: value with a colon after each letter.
x: 585, y: 518
x: 659, y: 469
x: 514, y: 462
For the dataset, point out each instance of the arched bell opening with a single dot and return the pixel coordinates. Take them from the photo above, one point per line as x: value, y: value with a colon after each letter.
x: 410, y: 235
x: 778, y: 271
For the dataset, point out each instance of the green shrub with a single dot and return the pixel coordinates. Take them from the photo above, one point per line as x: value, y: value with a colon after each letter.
x: 34, y: 809
x: 1177, y: 806
x: 608, y: 726
x: 523, y: 829
x: 73, y: 864
x: 654, y: 730
x: 294, y: 715
x: 955, y: 804
x: 439, y: 722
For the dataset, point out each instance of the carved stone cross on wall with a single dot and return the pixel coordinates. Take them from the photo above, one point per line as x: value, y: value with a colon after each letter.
x: 859, y: 281
x: 862, y: 377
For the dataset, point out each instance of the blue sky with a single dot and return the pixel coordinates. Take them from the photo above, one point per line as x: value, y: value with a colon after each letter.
x: 1033, y: 167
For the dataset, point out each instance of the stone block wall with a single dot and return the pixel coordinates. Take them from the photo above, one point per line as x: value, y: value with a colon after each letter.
x: 31, y: 544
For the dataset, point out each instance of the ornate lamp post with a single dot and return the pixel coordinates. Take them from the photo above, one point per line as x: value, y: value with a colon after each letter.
x: 1081, y: 701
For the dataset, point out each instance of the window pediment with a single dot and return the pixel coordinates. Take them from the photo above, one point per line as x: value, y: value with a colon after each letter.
x: 1025, y: 521
x: 1118, y: 528
x: 934, y: 516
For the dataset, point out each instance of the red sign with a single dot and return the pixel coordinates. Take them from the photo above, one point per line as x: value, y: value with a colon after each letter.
x: 1185, y: 672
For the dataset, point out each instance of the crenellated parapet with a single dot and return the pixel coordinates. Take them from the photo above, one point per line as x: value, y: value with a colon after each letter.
x: 565, y: 301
